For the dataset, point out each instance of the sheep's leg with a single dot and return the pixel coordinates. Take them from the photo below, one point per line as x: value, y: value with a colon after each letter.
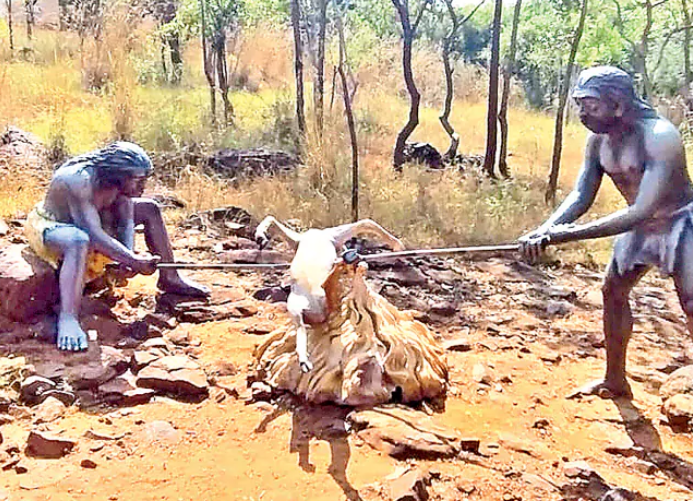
x: 297, y: 305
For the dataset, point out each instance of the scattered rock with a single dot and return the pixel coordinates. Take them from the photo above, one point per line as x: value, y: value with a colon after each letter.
x: 408, y: 484
x: 49, y: 410
x: 123, y: 390
x: 28, y: 285
x: 559, y: 308
x: 423, y: 153
x: 44, y: 445
x: 458, y: 345
x: 200, y: 313
x: 272, y: 294
x: 680, y: 381
x: 577, y: 469
x: 481, y: 374
x: 679, y: 410
x: 161, y: 431
x: 174, y: 374
x: 404, y: 433
x: 625, y: 447
x: 34, y: 389
x: 111, y: 363
x: 141, y: 359
x: 88, y: 463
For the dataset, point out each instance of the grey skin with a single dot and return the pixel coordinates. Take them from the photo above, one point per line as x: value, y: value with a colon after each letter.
x: 104, y: 219
x: 645, y: 159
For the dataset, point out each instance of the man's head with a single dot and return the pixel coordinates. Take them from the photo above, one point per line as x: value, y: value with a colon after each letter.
x: 606, y: 98
x: 123, y: 165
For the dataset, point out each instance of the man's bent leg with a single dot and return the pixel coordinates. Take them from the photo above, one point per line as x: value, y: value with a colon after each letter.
x: 148, y: 213
x: 618, y: 327
x: 73, y: 244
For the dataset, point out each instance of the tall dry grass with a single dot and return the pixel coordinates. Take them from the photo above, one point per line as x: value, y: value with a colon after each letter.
x: 426, y: 208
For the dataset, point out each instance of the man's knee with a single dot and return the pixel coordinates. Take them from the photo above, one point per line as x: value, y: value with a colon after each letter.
x: 78, y: 240
x: 147, y: 209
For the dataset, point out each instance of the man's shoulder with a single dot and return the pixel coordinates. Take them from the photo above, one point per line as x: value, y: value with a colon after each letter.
x: 661, y: 138
x: 73, y: 176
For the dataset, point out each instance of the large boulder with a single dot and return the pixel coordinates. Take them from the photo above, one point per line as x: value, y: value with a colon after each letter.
x: 28, y: 285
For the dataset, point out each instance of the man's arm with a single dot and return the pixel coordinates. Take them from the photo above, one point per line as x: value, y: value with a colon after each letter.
x: 585, y: 191
x: 86, y: 217
x: 125, y: 226
x: 663, y: 150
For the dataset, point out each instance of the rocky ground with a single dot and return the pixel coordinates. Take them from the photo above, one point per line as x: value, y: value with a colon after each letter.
x: 163, y: 408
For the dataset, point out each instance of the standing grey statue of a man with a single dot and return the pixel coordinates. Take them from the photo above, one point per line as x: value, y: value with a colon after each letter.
x: 644, y: 156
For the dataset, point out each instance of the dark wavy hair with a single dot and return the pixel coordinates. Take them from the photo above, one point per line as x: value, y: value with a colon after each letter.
x: 115, y: 162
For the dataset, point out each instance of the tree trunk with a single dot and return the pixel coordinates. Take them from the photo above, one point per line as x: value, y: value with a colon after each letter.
x: 687, y: 47
x: 350, y: 119
x: 492, y: 114
x: 408, y: 33
x: 319, y: 89
x: 176, y: 58
x: 29, y: 9
x: 449, y: 86
x: 63, y: 16
x: 208, y: 62
x: 508, y: 72
x: 9, y: 24
x: 298, y: 66
x: 223, y: 76
x: 550, y: 195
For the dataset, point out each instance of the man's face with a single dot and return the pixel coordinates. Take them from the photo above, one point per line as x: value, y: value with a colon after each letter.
x: 133, y: 186
x: 597, y: 115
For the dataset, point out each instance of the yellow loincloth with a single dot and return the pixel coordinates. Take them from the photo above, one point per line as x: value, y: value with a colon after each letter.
x: 38, y: 223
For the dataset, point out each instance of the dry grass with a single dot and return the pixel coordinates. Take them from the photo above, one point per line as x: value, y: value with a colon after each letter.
x: 426, y: 208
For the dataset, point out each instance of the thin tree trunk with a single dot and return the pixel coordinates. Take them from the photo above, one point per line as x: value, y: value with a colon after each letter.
x: 9, y: 24
x: 319, y: 89
x: 223, y: 76
x: 550, y: 196
x: 298, y: 66
x: 448, y: 69
x: 408, y: 33
x: 350, y: 117
x: 687, y: 48
x: 29, y: 10
x: 208, y: 62
x: 176, y: 58
x: 449, y: 86
x: 508, y: 72
x: 492, y: 113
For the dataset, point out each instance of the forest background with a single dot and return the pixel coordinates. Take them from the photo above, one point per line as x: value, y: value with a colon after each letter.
x: 81, y: 73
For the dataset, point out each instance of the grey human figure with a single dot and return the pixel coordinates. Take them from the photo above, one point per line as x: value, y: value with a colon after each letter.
x: 88, y: 219
x: 644, y: 156
x: 316, y: 254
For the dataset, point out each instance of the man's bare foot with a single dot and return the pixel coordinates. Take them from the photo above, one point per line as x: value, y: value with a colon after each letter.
x: 71, y: 337
x: 603, y: 389
x: 183, y: 287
